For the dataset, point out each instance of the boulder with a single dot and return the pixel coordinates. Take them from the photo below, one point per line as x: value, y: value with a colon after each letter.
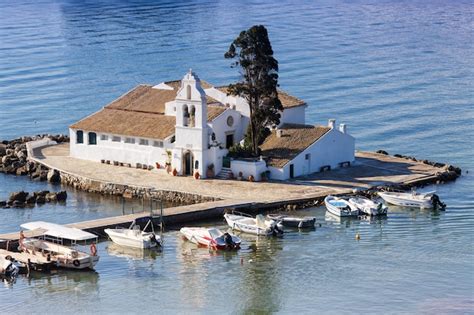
x: 3, y: 149
x: 19, y: 196
x: 51, y: 197
x: 53, y: 176
x: 6, y: 159
x: 40, y: 199
x: 31, y: 199
x: 43, y: 175
x: 18, y: 204
x: 61, y: 196
x: 30, y: 167
x: 3, y: 203
x: 381, y: 152
x: 21, y: 154
x: 21, y: 171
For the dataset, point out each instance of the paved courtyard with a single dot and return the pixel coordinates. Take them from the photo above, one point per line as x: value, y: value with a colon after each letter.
x: 369, y: 170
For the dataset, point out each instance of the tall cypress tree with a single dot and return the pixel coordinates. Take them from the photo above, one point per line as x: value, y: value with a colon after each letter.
x: 253, y: 55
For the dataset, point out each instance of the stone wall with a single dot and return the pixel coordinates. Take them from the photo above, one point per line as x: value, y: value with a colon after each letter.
x: 104, y: 188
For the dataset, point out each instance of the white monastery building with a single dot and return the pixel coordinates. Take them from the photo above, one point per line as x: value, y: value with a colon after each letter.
x: 189, y: 125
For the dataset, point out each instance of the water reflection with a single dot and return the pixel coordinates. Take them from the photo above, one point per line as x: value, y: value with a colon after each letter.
x: 131, y: 253
x: 261, y: 280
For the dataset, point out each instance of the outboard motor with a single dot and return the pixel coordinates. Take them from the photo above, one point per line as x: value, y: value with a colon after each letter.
x: 276, y: 230
x: 228, y: 240
x: 153, y: 239
x: 437, y: 204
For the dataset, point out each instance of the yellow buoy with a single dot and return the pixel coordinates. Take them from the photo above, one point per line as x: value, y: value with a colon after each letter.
x: 357, y: 236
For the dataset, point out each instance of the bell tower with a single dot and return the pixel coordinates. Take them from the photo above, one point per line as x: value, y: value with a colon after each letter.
x: 191, y: 105
x: 191, y: 143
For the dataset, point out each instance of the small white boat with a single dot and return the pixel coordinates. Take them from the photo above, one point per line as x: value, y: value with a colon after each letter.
x: 340, y: 207
x: 413, y: 199
x: 368, y: 206
x: 211, y: 237
x: 293, y: 222
x: 247, y: 224
x: 64, y: 256
x: 134, y: 237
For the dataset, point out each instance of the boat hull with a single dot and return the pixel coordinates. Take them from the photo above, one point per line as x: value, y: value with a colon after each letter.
x: 368, y: 207
x: 131, y: 241
x: 201, y: 237
x: 294, y: 222
x: 344, y: 209
x: 399, y: 200
x: 238, y: 224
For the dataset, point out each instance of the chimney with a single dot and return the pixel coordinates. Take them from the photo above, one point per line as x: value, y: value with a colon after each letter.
x: 279, y: 133
x: 332, y: 123
x: 343, y: 128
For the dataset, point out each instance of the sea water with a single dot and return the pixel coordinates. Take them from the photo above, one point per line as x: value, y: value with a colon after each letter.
x: 398, y: 73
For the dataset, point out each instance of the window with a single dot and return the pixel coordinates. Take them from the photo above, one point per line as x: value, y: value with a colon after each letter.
x: 185, y: 115
x: 307, y: 156
x: 116, y: 139
x: 79, y: 136
x: 104, y: 137
x: 188, y: 92
x: 92, y: 138
x: 173, y: 139
x: 143, y: 142
x: 129, y: 140
x: 158, y: 144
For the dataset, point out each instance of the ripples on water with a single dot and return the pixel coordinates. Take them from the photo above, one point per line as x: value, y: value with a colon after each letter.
x: 398, y: 72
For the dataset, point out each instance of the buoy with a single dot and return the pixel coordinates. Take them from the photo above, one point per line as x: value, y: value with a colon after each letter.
x: 357, y: 236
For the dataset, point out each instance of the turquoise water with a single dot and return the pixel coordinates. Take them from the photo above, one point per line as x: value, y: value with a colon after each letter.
x: 399, y: 73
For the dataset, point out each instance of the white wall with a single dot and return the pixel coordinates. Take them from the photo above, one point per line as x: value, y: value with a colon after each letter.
x: 215, y: 156
x: 221, y: 129
x: 333, y: 148
x: 191, y: 138
x: 293, y: 115
x: 118, y: 151
x: 248, y: 168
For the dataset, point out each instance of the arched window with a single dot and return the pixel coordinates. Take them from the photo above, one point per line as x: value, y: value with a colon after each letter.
x: 196, y: 164
x: 192, y: 116
x: 79, y: 136
x: 92, y: 138
x: 188, y: 92
x: 185, y: 115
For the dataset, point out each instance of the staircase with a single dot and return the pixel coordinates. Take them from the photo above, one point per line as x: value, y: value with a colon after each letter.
x: 224, y: 173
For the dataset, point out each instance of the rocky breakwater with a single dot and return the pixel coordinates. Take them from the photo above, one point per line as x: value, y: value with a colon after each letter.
x: 14, y: 158
x: 22, y: 199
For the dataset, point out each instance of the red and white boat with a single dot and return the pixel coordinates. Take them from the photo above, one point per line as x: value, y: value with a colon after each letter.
x: 211, y: 237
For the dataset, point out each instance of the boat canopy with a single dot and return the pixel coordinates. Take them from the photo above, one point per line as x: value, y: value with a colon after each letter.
x: 59, y: 231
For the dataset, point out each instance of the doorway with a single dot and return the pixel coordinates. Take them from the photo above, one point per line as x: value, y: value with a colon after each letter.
x: 188, y: 163
x: 292, y: 170
x: 229, y: 140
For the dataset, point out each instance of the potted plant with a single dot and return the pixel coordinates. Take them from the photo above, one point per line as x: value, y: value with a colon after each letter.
x: 157, y: 165
x: 251, y: 178
x: 197, y: 175
x: 231, y: 175
x: 241, y: 176
x: 210, y: 171
x: 175, y: 172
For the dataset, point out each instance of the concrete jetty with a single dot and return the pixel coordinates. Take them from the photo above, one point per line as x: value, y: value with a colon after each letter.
x: 369, y: 171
